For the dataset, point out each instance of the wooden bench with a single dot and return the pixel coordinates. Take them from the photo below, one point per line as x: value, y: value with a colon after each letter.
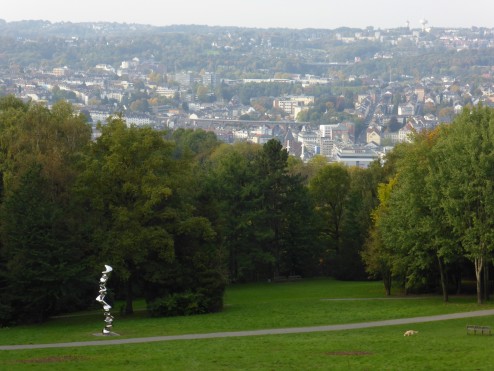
x: 481, y: 330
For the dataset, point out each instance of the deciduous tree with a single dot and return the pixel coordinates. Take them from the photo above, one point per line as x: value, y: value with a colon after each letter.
x: 464, y: 183
x: 129, y: 183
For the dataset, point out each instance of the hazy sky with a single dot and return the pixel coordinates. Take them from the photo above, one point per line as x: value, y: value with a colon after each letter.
x: 260, y: 13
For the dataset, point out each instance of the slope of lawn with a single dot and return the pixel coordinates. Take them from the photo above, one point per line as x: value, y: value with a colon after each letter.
x: 438, y: 345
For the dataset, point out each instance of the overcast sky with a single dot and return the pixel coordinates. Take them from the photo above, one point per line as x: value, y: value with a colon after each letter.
x: 260, y: 13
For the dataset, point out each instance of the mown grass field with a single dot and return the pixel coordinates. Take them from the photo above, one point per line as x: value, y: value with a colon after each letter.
x: 438, y: 345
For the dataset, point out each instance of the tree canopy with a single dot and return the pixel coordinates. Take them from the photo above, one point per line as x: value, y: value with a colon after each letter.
x: 179, y: 215
x: 439, y: 208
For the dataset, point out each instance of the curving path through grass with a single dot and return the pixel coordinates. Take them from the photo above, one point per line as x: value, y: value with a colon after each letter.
x: 294, y: 330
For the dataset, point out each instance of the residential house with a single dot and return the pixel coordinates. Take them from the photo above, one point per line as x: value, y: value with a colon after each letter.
x: 374, y: 134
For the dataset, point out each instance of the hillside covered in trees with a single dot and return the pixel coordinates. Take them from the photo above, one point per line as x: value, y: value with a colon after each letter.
x: 236, y: 52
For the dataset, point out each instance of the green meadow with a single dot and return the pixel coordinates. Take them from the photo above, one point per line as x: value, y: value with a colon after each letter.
x: 442, y: 345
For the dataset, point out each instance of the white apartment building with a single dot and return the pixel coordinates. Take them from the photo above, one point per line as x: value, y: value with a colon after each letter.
x: 327, y: 147
x: 139, y: 120
x: 210, y: 79
x: 105, y: 67
x: 166, y: 92
x: 406, y: 109
x: 308, y: 137
x: 293, y: 104
x: 240, y: 134
x: 335, y: 132
x: 99, y: 116
x: 354, y: 155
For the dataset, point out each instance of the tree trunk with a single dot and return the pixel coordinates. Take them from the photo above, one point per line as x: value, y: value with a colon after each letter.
x: 479, y: 263
x: 486, y: 281
x: 129, y: 308
x: 233, y: 264
x: 387, y: 283
x: 277, y: 259
x: 444, y: 285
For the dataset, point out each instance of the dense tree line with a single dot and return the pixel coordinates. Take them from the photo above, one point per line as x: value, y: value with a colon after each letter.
x: 435, y: 218
x: 180, y: 215
x: 177, y: 214
x: 69, y: 205
x: 43, y: 260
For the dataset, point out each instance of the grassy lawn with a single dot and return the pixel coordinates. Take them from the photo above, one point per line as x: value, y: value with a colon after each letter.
x: 438, y: 346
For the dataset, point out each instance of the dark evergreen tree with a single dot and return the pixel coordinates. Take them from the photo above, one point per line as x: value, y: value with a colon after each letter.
x: 229, y: 195
x: 280, y: 205
x: 45, y: 271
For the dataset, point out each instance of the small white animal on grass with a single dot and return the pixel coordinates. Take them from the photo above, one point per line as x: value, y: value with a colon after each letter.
x: 410, y: 333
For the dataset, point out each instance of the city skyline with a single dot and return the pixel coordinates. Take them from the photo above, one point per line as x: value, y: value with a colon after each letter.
x: 261, y: 13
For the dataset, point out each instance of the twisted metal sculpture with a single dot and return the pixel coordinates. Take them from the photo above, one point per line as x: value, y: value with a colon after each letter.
x: 101, y: 299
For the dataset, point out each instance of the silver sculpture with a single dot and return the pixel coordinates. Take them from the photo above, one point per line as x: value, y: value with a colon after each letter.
x: 101, y: 299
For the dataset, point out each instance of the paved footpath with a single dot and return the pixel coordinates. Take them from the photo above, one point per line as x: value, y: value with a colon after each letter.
x: 294, y: 330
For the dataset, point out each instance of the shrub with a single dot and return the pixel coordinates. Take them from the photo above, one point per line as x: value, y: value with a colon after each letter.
x: 6, y: 315
x: 178, y: 304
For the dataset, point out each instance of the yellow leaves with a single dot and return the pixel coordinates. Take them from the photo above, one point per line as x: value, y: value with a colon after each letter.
x: 383, y: 192
x: 156, y: 196
x: 153, y: 101
x: 46, y: 137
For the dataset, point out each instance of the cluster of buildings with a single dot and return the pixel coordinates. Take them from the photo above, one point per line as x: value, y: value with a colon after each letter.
x: 389, y: 113
x: 382, y: 114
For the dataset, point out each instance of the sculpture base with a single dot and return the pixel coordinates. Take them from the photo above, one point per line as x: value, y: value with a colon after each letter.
x: 109, y: 334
